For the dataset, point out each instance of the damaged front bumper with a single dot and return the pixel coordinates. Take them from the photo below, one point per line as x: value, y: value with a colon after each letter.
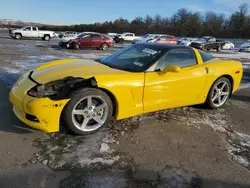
x: 40, y: 113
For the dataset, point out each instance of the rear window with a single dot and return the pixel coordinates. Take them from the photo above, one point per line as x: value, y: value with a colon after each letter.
x: 206, y: 56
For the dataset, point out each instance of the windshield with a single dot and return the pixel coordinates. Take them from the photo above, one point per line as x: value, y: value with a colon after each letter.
x: 136, y: 58
x: 145, y: 36
x: 79, y: 35
x: 155, y: 36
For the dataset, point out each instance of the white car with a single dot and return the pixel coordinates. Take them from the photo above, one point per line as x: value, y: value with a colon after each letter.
x: 187, y: 41
x: 31, y: 32
x: 245, y: 48
x: 228, y: 46
x: 129, y: 37
x: 143, y: 39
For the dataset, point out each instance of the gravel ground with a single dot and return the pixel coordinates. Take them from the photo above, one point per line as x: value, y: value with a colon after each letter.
x: 184, y: 147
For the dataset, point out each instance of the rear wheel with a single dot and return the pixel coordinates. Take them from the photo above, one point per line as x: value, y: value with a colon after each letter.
x: 18, y: 36
x: 88, y: 111
x: 219, y: 93
x: 105, y: 46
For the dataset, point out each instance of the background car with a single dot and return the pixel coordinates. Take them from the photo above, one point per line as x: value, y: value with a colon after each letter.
x: 228, y: 45
x: 65, y: 40
x: 144, y: 38
x: 208, y: 43
x: 67, y: 34
x: 244, y: 48
x: 91, y: 40
x: 165, y: 39
x: 125, y: 37
x: 187, y: 41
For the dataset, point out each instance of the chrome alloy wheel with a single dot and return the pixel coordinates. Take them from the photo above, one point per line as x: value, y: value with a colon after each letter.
x: 105, y: 46
x: 90, y: 113
x: 221, y: 93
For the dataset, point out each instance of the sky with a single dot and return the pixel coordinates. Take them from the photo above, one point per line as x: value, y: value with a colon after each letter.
x: 89, y: 11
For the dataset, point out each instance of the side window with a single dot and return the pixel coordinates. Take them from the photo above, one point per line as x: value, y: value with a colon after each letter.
x: 27, y: 29
x: 86, y: 37
x: 182, y: 58
x: 34, y: 28
x: 96, y: 36
x: 170, y: 37
x: 163, y: 38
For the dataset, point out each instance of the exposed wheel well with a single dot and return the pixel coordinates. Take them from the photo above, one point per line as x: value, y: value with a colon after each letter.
x: 19, y: 34
x: 230, y: 78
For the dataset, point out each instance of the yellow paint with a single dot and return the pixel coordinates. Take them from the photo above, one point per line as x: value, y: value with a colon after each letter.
x: 135, y: 93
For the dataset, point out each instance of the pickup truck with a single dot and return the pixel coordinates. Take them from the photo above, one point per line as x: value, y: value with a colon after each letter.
x: 125, y: 37
x: 31, y: 32
x: 207, y: 43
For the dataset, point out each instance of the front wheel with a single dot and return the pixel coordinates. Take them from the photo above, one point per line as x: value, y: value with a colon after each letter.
x: 75, y: 46
x: 219, y: 93
x: 88, y: 111
x: 18, y: 36
x: 105, y: 46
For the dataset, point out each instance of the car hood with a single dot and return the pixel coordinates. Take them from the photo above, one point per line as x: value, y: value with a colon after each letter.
x: 60, y: 69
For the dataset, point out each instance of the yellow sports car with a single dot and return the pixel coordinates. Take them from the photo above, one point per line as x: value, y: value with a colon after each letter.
x: 138, y: 79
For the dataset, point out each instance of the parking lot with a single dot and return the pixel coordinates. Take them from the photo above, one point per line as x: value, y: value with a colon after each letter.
x: 184, y: 147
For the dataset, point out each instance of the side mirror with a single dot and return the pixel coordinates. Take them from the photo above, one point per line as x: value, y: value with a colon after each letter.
x: 171, y: 68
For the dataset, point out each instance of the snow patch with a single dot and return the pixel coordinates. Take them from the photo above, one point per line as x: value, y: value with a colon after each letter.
x: 11, y: 70
x: 232, y: 55
x: 63, y: 150
x: 240, y: 148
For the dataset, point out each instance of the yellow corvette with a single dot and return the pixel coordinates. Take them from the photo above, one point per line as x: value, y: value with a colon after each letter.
x: 138, y: 79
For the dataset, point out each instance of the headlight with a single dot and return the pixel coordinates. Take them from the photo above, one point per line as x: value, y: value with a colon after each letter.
x: 50, y: 89
x: 60, y: 89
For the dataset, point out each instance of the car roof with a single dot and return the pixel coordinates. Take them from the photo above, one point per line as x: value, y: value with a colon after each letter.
x: 166, y: 46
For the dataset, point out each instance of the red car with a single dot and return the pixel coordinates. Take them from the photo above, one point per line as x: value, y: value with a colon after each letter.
x: 166, y: 39
x: 91, y: 40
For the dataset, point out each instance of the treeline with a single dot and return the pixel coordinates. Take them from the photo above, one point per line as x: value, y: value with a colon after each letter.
x: 183, y: 23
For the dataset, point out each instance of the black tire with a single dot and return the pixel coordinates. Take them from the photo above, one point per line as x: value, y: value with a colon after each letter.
x: 219, y: 49
x: 18, y: 36
x: 46, y: 37
x: 76, y: 97
x: 204, y: 49
x: 121, y: 41
x: 75, y: 46
x: 105, y: 46
x: 117, y: 40
x: 209, y: 102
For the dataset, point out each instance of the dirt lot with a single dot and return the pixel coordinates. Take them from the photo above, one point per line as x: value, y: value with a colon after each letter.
x: 184, y: 147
